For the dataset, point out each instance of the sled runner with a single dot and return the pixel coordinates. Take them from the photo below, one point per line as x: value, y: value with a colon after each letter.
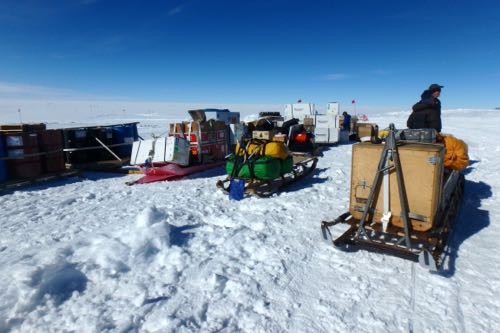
x: 408, y: 210
x: 171, y: 172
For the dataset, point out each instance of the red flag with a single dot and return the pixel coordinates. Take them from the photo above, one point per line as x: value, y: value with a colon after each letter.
x: 353, y: 102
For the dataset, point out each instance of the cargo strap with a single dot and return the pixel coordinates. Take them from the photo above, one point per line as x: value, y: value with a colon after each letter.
x: 256, y: 153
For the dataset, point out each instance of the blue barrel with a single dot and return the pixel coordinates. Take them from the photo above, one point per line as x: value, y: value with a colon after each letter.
x: 3, y: 165
x: 125, y: 133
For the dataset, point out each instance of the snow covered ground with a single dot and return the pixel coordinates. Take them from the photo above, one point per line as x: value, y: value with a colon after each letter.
x: 94, y: 255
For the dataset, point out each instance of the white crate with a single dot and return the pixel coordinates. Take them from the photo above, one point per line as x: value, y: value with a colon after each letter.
x: 326, y: 121
x: 235, y: 132
x: 172, y: 150
x: 176, y: 151
x: 333, y: 108
x: 334, y: 135
x: 140, y: 151
x: 326, y: 135
x: 299, y: 111
x: 321, y: 135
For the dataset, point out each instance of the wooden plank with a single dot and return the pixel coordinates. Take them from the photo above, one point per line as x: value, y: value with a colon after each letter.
x: 110, y: 165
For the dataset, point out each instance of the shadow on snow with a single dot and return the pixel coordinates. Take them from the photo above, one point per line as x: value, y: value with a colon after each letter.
x: 470, y: 220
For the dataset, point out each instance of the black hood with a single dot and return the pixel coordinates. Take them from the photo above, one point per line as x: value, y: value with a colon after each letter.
x: 426, y: 95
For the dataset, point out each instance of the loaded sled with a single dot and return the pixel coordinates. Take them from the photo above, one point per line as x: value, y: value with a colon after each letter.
x: 191, y: 147
x: 403, y: 201
x: 266, y: 167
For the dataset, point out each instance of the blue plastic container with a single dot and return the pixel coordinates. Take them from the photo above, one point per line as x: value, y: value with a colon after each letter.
x: 125, y: 133
x: 3, y: 165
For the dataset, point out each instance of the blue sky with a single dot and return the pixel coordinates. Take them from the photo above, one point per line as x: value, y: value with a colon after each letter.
x: 381, y: 53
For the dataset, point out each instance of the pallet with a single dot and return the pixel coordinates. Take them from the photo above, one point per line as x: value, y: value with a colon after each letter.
x: 18, y: 183
x: 114, y: 166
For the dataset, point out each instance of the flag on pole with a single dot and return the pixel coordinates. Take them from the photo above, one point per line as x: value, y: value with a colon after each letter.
x: 353, y: 101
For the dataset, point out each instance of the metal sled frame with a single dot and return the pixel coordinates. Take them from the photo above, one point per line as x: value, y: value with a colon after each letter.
x: 429, y: 247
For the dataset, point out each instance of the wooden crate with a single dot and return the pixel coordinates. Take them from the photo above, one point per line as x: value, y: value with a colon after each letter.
x: 22, y: 127
x: 366, y: 130
x: 422, y: 166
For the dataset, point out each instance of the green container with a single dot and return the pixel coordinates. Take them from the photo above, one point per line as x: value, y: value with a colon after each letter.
x: 286, y: 165
x: 265, y: 168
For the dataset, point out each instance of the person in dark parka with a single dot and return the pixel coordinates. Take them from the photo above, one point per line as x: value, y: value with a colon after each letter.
x: 427, y: 112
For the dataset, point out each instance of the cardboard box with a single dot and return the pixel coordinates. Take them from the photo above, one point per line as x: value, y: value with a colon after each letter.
x: 280, y: 137
x: 204, y: 126
x: 176, y: 128
x: 264, y: 135
x: 422, y: 168
x: 308, y: 121
x: 366, y: 130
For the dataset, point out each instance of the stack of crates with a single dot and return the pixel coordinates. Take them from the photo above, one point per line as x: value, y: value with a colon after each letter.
x: 22, y: 150
x: 3, y: 165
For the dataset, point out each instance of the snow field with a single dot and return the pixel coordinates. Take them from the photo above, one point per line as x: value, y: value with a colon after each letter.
x: 94, y: 255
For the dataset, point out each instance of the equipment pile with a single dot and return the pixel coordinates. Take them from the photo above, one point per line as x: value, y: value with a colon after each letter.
x: 192, y: 146
x: 264, y: 161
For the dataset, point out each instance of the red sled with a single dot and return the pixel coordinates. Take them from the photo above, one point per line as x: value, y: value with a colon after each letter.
x: 171, y: 171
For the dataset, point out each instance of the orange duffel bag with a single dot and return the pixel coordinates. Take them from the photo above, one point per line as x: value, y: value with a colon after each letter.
x: 457, y: 156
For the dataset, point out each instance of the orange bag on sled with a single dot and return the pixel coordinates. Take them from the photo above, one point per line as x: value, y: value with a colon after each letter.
x: 457, y: 156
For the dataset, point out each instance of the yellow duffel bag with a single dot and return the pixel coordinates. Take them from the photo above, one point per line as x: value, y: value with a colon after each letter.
x: 457, y: 156
x: 271, y: 149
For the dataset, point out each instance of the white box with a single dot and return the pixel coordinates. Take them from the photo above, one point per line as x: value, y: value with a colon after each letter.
x: 235, y: 133
x: 140, y: 151
x: 334, y: 135
x: 299, y: 110
x: 172, y: 150
x: 160, y: 148
x: 326, y: 135
x: 321, y: 135
x: 176, y: 150
x: 326, y: 121
x: 333, y: 108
